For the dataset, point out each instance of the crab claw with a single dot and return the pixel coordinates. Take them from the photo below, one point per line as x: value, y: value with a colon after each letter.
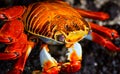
x: 72, y: 66
x: 74, y: 56
x: 49, y: 64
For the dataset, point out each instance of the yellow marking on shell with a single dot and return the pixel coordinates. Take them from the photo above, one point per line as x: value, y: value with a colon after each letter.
x: 77, y: 35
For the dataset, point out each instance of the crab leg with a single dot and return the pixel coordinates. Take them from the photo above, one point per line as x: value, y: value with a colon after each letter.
x: 11, y: 13
x: 101, y: 35
x: 93, y: 15
x: 102, y: 41
x: 18, y: 47
x: 10, y: 33
x: 14, y: 51
x: 74, y: 57
x: 49, y: 64
x: 19, y: 65
x: 104, y: 31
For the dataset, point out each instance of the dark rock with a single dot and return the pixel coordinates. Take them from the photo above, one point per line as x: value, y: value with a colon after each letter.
x: 111, y: 8
x: 91, y: 5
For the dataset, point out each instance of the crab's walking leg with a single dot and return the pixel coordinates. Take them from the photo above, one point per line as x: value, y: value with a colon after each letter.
x: 102, y: 36
x: 14, y: 50
x: 93, y: 15
x: 12, y: 33
x: 95, y: 37
x: 19, y: 65
x: 104, y: 31
x: 49, y: 64
x: 11, y: 12
x: 74, y: 57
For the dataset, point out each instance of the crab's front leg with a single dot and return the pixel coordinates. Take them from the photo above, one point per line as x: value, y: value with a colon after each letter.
x: 49, y: 64
x: 74, y: 56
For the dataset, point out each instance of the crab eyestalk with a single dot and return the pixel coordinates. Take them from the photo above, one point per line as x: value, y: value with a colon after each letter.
x: 59, y: 37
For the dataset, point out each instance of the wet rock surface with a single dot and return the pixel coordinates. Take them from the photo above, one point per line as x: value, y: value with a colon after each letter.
x: 96, y: 59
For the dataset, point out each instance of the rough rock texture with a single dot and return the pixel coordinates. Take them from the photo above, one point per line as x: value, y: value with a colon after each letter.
x: 96, y: 59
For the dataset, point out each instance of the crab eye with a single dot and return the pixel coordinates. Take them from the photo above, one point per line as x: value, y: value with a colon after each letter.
x: 60, y: 38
